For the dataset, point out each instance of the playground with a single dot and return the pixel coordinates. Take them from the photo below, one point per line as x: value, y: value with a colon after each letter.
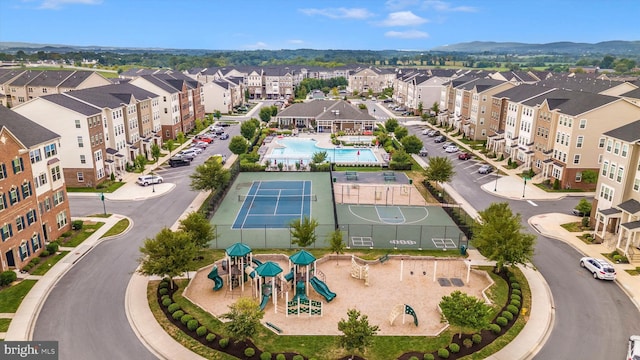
x: 341, y: 284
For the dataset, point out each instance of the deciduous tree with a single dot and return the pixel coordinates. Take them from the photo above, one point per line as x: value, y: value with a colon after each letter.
x: 440, y: 169
x: 199, y: 229
x: 464, y: 311
x: 411, y: 144
x: 238, y: 145
x: 400, y: 132
x: 168, y: 254
x: 244, y: 318
x: 336, y: 244
x: 210, y: 176
x: 357, y: 332
x: 303, y: 232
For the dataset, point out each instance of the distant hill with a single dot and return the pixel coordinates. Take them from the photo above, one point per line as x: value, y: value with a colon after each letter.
x: 615, y: 47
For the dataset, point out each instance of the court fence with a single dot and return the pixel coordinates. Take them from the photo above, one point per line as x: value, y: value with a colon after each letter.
x: 465, y: 222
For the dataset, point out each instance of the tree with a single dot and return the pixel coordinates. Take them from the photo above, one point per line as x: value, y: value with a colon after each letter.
x: 336, y: 245
x: 181, y: 138
x: 400, y: 132
x: 168, y: 254
x: 465, y: 311
x: 140, y: 162
x: 265, y: 114
x: 411, y: 144
x: 169, y: 144
x: 391, y: 125
x: 400, y: 160
x: 217, y: 114
x: 248, y: 129
x: 420, y: 108
x: 199, y: 229
x: 440, y: 169
x: 238, y: 145
x: 303, y: 232
x: 584, y: 206
x: 589, y: 176
x: 210, y: 176
x: 155, y: 152
x: 357, y: 332
x: 319, y: 157
x: 244, y: 318
x: 498, y: 235
x: 435, y: 108
x: 274, y: 110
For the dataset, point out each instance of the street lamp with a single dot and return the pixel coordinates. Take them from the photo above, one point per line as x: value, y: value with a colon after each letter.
x: 495, y: 188
x: 153, y: 182
x: 525, y: 186
x: 374, y: 112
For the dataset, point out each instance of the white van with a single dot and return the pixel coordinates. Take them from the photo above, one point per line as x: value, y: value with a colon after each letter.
x: 145, y: 180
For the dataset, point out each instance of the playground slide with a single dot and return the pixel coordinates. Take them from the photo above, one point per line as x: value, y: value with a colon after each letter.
x: 289, y: 276
x: 217, y: 283
x: 257, y: 262
x: 321, y: 288
x: 265, y: 301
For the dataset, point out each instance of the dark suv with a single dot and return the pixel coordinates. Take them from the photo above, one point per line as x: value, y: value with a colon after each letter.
x: 179, y: 161
x: 440, y: 139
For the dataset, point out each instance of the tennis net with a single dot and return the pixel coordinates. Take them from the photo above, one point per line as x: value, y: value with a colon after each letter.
x: 276, y: 198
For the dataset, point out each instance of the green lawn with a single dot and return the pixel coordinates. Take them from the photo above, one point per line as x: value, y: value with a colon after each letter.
x: 118, y: 228
x: 106, y: 187
x: 44, y: 266
x: 82, y: 235
x: 4, y: 324
x: 10, y: 298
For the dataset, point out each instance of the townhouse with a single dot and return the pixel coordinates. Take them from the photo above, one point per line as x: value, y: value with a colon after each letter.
x: 33, y: 200
x: 481, y: 93
x: 616, y: 205
x: 223, y: 95
x: 103, y: 129
x: 328, y: 116
x: 371, y: 79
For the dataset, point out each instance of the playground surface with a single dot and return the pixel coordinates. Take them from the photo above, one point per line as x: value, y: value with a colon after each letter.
x: 419, y: 289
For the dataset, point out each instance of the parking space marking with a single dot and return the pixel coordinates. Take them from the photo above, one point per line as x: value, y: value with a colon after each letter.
x: 484, y: 176
x: 470, y: 166
x: 532, y: 203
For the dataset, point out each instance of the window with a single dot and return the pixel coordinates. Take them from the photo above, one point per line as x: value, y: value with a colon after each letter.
x: 616, y: 148
x: 3, y: 171
x: 19, y: 223
x: 13, y: 196
x: 24, y: 251
x: 579, y: 141
x: 80, y: 176
x: 61, y: 219
x: 620, y: 173
x: 83, y: 160
x: 578, y: 176
x: 609, y: 145
x: 77, y: 124
x: 625, y: 150
x: 636, y: 184
x: 55, y: 173
x: 612, y: 171
x: 601, y: 143
x: 58, y: 197
x: 31, y: 217
x: 26, y: 190
x: 583, y: 124
x: 605, y: 167
x: 17, y: 165
x: 50, y: 150
x: 98, y: 155
x: 576, y: 159
x: 35, y: 156
x: 80, y: 142
x: 47, y: 204
x: 35, y: 242
x: 3, y: 202
x: 6, y: 232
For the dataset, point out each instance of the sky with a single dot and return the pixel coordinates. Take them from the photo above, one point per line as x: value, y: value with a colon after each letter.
x: 314, y: 24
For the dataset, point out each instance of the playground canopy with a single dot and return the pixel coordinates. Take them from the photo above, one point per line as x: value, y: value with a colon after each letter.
x: 238, y: 250
x: 269, y: 269
x: 302, y: 257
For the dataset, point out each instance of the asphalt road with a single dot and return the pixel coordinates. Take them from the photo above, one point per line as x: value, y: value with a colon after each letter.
x: 85, y: 311
x: 593, y: 318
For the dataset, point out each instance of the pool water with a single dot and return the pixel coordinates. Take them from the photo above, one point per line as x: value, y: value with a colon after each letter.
x: 303, y: 149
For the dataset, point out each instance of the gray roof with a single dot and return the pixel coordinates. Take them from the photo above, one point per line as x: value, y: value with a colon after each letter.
x: 580, y: 83
x: 73, y: 104
x: 631, y: 225
x: 629, y: 132
x: 522, y: 92
x: 325, y: 110
x: 609, y: 211
x: 571, y: 102
x: 631, y: 206
x: 635, y: 93
x: 8, y: 74
x: 76, y: 79
x: 111, y: 96
x: 25, y: 78
x: 28, y: 132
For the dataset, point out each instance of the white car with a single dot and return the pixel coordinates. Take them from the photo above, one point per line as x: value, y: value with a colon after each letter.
x: 451, y: 149
x: 633, y: 353
x: 145, y: 180
x: 600, y: 268
x: 425, y: 131
x: 190, y: 152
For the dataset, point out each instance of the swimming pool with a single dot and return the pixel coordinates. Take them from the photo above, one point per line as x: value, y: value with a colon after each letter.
x: 303, y: 149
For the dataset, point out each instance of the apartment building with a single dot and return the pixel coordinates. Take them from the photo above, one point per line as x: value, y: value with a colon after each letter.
x: 616, y: 206
x: 372, y: 79
x: 33, y: 200
x: 223, y: 95
x: 475, y: 127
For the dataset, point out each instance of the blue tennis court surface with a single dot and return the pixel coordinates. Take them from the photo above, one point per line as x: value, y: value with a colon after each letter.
x: 274, y: 204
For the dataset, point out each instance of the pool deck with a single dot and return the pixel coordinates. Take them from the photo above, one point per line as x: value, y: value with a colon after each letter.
x: 323, y: 141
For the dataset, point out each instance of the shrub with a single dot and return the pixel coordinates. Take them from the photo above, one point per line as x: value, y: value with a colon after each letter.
x: 77, y: 224
x: 281, y: 357
x: 512, y: 309
x: 192, y: 324
x: 556, y: 184
x: 507, y: 315
x: 515, y: 285
x: 173, y: 308
x: 210, y: 337
x: 413, y: 358
x: 495, y: 328
x: 7, y: 277
x: 163, y: 285
x: 516, y: 292
x: 454, y: 348
x: 585, y: 221
x: 163, y: 291
x: 476, y: 338
x: 165, y: 297
x: 44, y: 253
x: 467, y: 343
x: 443, y: 353
x: 249, y: 352
x: 502, y: 321
x: 167, y: 302
x: 186, y: 318
x: 265, y: 356
x: 515, y: 297
x: 298, y: 357
x: 515, y: 303
x: 428, y: 357
x: 35, y: 261
x: 52, y: 248
x: 177, y: 315
x: 223, y: 343
x: 202, y: 331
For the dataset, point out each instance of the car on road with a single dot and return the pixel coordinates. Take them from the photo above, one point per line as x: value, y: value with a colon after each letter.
x: 433, y: 133
x: 223, y: 136
x: 452, y: 149
x: 423, y: 152
x: 465, y: 156
x: 387, y: 100
x: 145, y: 180
x: 440, y: 139
x: 485, y: 169
x: 577, y: 212
x: 447, y: 144
x: 633, y: 350
x: 600, y: 268
x: 178, y: 161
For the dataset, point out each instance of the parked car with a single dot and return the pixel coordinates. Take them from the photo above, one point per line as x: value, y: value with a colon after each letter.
x: 447, y: 144
x: 387, y: 100
x: 485, y: 169
x: 424, y: 152
x: 222, y: 124
x: 426, y: 131
x: 223, y: 158
x: 451, y: 149
x: 223, y: 136
x: 576, y: 212
x: 465, y: 156
x: 633, y: 351
x: 433, y: 133
x: 600, y: 268
x: 178, y: 161
x: 145, y: 180
x: 440, y: 138
x: 189, y: 153
x: 201, y: 144
x: 204, y: 138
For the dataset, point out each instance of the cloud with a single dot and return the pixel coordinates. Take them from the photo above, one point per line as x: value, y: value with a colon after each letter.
x: 57, y: 4
x: 400, y: 4
x: 410, y: 34
x: 445, y: 6
x: 402, y: 18
x: 296, y: 41
x: 258, y: 45
x: 339, y: 13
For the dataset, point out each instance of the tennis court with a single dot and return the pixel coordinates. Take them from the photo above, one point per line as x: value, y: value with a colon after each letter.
x: 274, y: 204
x: 408, y: 227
